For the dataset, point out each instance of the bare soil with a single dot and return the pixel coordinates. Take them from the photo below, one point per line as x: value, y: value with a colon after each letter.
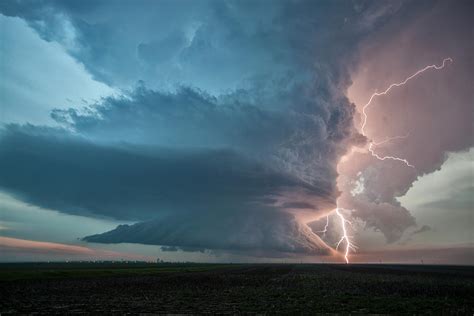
x: 262, y: 288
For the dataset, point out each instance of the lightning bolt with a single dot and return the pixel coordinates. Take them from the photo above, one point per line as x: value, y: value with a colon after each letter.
x: 390, y: 139
x: 345, y: 238
x: 324, y: 231
x: 386, y: 91
x: 382, y: 158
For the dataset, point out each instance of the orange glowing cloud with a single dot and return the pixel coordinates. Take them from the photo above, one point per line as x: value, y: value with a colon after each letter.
x: 25, y: 247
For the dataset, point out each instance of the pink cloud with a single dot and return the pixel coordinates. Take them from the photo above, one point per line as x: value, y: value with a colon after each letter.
x: 23, y: 249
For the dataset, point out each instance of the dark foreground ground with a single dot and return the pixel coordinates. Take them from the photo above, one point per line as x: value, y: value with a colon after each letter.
x: 265, y: 288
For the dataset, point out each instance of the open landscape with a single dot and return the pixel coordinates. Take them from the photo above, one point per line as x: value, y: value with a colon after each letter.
x: 47, y: 288
x: 295, y: 157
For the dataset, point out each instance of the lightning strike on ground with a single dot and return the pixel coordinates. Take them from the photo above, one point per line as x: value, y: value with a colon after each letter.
x: 345, y: 238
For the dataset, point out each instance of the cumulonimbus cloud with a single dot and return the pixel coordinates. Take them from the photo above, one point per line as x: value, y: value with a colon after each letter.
x: 255, y: 146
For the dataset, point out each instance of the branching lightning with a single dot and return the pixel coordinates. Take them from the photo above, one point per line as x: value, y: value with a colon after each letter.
x: 325, y: 230
x: 382, y: 158
x: 390, y: 139
x: 345, y: 238
x: 386, y: 91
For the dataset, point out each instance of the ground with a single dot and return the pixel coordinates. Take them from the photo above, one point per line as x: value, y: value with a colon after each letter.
x: 233, y: 288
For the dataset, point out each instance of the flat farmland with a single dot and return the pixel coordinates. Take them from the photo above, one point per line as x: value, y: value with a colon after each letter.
x: 234, y: 288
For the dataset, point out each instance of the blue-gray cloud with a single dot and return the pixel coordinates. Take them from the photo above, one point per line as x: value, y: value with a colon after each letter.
x: 184, y: 161
x: 210, y: 44
x: 241, y: 103
x: 133, y: 183
x: 306, y: 144
x: 203, y: 198
x: 268, y: 230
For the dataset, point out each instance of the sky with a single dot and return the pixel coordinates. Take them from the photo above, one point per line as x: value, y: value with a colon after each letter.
x: 237, y: 131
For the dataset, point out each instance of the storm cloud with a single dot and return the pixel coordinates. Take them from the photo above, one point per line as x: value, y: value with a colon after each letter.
x: 433, y: 112
x: 210, y: 44
x: 210, y: 198
x: 226, y: 126
x: 131, y: 182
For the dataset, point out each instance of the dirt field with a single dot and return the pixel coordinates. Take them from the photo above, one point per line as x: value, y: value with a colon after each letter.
x: 190, y: 288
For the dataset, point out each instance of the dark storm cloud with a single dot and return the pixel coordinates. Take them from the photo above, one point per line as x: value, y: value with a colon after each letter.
x: 266, y: 115
x: 199, y: 198
x: 270, y: 230
x: 169, y: 248
x: 304, y: 144
x: 59, y: 171
x: 212, y: 44
x: 105, y: 35
x: 298, y: 204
